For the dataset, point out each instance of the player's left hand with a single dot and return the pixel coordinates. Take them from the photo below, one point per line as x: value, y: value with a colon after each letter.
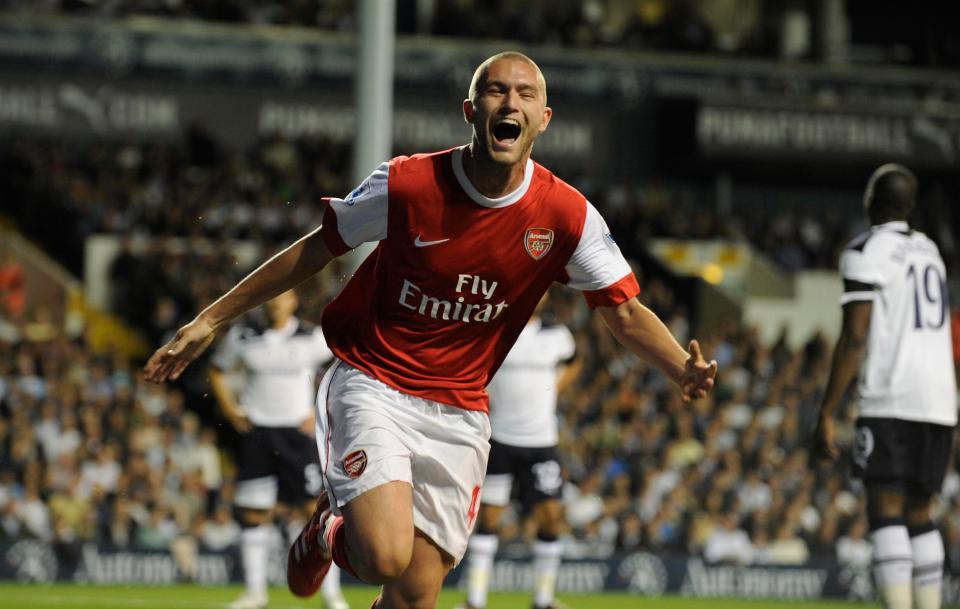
x: 170, y: 360
x: 698, y: 376
x: 824, y: 447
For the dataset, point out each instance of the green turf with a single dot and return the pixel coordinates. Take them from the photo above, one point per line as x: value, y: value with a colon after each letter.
x: 29, y: 596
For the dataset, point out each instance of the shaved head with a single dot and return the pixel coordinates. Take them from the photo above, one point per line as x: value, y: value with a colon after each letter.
x: 890, y: 194
x: 480, y: 75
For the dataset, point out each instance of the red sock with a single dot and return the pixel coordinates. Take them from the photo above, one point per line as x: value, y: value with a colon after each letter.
x: 337, y: 542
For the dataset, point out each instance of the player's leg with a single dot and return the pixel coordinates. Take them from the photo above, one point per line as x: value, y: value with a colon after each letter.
x: 880, y: 457
x: 419, y: 586
x: 927, y: 550
x: 546, y: 484
x: 255, y: 498
x: 372, y: 539
x: 330, y: 588
x: 376, y: 540
x: 547, y: 551
x: 380, y: 436
x: 933, y: 446
x: 483, y: 544
x: 892, y: 554
x: 363, y: 521
x: 254, y: 556
x: 300, y: 482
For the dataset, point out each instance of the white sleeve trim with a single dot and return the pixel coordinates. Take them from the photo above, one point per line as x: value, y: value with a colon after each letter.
x: 597, y: 262
x: 849, y: 297
x: 362, y: 215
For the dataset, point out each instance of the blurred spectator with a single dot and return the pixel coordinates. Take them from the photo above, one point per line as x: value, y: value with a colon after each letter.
x: 221, y: 531
x: 728, y: 543
x: 786, y: 547
x: 853, y: 548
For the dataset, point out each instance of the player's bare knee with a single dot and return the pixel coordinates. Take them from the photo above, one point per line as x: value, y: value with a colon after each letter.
x: 420, y: 599
x: 249, y: 517
x: 387, y: 564
x: 917, y: 510
x: 488, y: 522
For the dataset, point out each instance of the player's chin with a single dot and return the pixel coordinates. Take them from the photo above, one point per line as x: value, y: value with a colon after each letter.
x: 505, y: 156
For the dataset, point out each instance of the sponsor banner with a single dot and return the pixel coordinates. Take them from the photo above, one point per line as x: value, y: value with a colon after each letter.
x: 641, y: 573
x: 289, y: 56
x: 239, y: 115
x: 807, y: 134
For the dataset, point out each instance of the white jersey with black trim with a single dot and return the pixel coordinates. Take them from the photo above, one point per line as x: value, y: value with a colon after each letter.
x: 908, y: 369
x: 523, y: 393
x: 278, y: 367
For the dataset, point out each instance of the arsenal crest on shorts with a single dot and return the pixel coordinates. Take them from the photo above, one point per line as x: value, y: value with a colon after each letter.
x: 355, y: 463
x: 537, y: 242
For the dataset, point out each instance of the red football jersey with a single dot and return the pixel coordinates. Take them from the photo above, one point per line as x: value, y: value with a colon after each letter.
x: 436, y: 307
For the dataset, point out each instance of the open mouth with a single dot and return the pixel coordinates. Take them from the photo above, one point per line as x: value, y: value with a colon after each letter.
x: 506, y: 132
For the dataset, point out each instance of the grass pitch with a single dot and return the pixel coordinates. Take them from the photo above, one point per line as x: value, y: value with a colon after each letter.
x: 61, y: 596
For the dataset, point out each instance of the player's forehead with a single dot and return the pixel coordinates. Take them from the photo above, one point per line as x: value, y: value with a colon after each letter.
x: 513, y: 71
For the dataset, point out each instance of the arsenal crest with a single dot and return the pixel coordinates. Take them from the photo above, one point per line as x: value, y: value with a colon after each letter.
x: 537, y: 242
x: 355, y: 463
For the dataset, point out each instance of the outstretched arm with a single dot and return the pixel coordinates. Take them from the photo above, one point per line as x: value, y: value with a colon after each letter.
x: 847, y: 355
x: 284, y: 271
x: 640, y: 330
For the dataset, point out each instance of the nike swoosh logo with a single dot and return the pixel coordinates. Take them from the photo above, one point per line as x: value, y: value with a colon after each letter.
x: 420, y: 243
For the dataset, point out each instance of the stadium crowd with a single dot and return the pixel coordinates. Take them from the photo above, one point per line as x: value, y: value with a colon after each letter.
x: 272, y: 192
x: 788, y: 30
x: 89, y: 452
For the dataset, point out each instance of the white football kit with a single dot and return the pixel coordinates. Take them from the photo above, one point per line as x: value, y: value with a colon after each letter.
x: 907, y: 372
x: 279, y: 367
x: 523, y: 393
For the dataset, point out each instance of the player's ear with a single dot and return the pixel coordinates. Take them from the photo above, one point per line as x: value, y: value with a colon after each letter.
x: 547, y: 115
x: 468, y: 111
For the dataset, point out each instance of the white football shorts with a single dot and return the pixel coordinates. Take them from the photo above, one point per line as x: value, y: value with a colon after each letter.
x: 369, y: 433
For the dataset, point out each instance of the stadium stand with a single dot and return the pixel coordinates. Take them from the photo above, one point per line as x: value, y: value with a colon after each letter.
x: 89, y: 453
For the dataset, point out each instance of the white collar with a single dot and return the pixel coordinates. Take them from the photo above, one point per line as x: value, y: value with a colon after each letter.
x: 476, y: 196
x: 893, y: 225
x: 288, y: 329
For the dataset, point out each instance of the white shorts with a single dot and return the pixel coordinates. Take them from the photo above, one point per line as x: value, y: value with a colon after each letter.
x: 369, y: 433
x: 497, y: 489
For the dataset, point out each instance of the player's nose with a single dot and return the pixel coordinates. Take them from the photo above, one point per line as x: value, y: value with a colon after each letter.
x: 511, y: 102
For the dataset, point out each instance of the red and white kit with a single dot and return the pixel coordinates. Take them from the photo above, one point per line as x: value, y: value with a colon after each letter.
x: 432, y: 313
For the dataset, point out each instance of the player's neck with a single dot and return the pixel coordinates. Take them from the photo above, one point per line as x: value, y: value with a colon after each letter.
x: 877, y: 221
x: 492, y: 180
x: 280, y: 323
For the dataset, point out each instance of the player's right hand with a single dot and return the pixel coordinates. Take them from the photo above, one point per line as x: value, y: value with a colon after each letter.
x: 239, y: 422
x: 170, y: 360
x: 698, y: 375
x: 824, y: 446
